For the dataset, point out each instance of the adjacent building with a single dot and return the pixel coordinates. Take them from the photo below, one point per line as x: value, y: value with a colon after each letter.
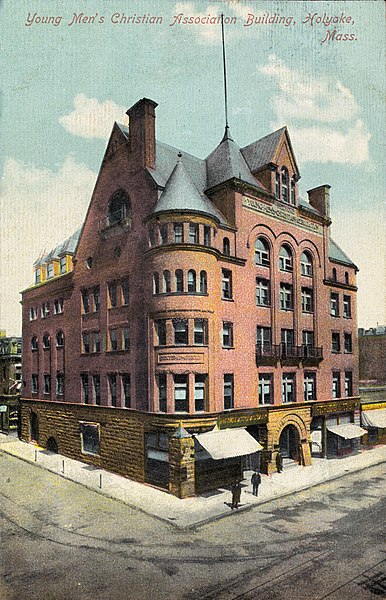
x: 200, y: 295
x: 372, y: 382
x: 10, y: 381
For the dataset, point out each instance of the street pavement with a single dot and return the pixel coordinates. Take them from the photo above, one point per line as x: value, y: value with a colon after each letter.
x: 191, y: 512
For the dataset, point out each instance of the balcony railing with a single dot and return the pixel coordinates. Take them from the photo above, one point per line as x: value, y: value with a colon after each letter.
x: 269, y: 352
x: 120, y: 217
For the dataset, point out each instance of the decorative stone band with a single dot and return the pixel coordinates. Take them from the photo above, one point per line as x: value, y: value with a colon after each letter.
x: 283, y: 214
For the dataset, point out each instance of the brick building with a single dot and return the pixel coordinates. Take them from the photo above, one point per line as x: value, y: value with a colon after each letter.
x: 200, y: 295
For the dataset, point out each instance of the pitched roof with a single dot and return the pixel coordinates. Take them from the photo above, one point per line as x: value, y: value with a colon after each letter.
x: 261, y: 152
x: 227, y: 162
x: 336, y: 253
x: 180, y: 194
x: 66, y: 247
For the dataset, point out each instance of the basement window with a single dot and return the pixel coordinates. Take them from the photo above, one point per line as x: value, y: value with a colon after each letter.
x: 90, y: 438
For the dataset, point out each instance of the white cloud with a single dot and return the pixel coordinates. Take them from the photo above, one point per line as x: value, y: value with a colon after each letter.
x: 321, y: 113
x: 38, y: 209
x: 324, y: 144
x: 91, y: 118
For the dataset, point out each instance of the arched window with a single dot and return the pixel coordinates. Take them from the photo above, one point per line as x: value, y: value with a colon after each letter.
x: 59, y: 339
x: 34, y: 343
x: 284, y: 184
x: 203, y: 282
x: 306, y: 264
x: 346, y: 277
x: 155, y: 283
x: 334, y: 277
x: 179, y: 277
x: 226, y: 247
x: 292, y: 197
x: 277, y: 184
x: 119, y: 207
x: 261, y: 252
x: 46, y: 341
x: 285, y: 259
x: 166, y: 282
x: 191, y: 280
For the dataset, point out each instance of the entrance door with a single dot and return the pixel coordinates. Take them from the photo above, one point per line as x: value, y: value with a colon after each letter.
x: 34, y: 427
x: 289, y: 443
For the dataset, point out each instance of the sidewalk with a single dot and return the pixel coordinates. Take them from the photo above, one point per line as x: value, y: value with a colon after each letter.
x: 196, y: 511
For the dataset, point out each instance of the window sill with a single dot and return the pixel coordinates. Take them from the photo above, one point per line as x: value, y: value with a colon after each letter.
x: 286, y: 309
x: 228, y: 347
x: 307, y: 312
x: 263, y: 305
x: 227, y: 299
x: 347, y: 317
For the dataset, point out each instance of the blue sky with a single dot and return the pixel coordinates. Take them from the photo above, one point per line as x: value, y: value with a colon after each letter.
x: 64, y: 85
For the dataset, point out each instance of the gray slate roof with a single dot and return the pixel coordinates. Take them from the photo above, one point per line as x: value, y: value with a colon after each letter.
x: 261, y: 153
x: 66, y: 247
x: 336, y: 253
x: 181, y: 194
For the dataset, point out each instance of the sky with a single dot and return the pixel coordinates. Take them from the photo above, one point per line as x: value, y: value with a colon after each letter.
x: 67, y: 77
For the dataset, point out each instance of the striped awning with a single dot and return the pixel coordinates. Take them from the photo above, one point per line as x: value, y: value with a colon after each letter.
x: 349, y: 431
x: 374, y: 418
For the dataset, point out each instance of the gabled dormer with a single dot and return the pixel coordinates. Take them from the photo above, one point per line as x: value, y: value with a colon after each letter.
x: 273, y: 161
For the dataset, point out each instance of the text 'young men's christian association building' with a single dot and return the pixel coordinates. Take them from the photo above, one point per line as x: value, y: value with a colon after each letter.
x: 199, y: 296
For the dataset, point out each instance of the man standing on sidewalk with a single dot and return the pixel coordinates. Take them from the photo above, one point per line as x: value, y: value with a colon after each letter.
x: 255, y: 480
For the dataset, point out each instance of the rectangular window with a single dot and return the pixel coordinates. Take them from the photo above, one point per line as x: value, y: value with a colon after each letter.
x: 288, y: 388
x: 263, y: 337
x: 112, y: 287
x: 228, y: 391
x: 45, y: 311
x: 226, y: 284
x: 34, y: 383
x: 206, y: 235
x: 58, y: 306
x: 334, y: 304
x: 96, y: 342
x: 181, y: 401
x: 307, y: 300
x: 112, y: 378
x: 85, y: 391
x: 50, y: 270
x: 287, y: 338
x: 126, y: 388
x: 200, y: 332
x: 125, y: 291
x: 90, y: 438
x: 161, y: 382
x: 199, y: 392
x: 309, y: 385
x: 262, y: 292
x: 348, y: 391
x: 335, y: 342
x: 227, y: 335
x: 193, y: 233
x: 153, y: 235
x: 96, y: 293
x: 347, y: 343
x: 33, y: 313
x: 286, y: 296
x: 336, y: 384
x: 96, y: 383
x: 308, y: 339
x: 126, y: 338
x: 163, y: 230
x: 161, y: 332
x: 113, y: 340
x: 38, y: 275
x: 59, y: 384
x: 178, y: 233
x: 180, y: 332
x: 86, y: 343
x: 63, y: 265
x: 47, y: 384
x: 85, y: 302
x: 265, y: 388
x: 347, y: 307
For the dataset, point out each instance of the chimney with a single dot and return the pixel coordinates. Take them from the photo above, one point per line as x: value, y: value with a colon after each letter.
x: 142, y: 132
x: 319, y: 198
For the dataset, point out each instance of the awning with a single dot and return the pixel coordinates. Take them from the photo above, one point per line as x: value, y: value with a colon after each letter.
x: 374, y: 418
x: 227, y: 443
x: 349, y: 431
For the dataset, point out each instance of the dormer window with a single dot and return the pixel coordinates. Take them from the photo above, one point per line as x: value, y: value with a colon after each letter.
x: 63, y: 265
x: 261, y: 252
x: 292, y: 193
x: 284, y: 184
x: 50, y: 270
x: 119, y: 207
x: 285, y: 259
x: 38, y: 275
x: 277, y: 184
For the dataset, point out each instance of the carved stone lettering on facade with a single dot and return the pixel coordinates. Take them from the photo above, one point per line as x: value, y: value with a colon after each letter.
x: 180, y: 358
x: 334, y: 407
x: 225, y: 421
x: 277, y: 212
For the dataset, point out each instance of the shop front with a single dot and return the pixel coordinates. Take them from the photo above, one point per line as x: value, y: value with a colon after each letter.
x: 335, y: 428
x: 373, y: 419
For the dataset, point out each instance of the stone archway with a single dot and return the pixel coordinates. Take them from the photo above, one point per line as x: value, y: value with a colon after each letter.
x: 298, y: 433
x: 289, y: 442
x: 52, y: 445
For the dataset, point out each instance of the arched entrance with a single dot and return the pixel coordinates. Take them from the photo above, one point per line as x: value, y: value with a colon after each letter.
x: 52, y: 445
x: 34, y: 427
x: 289, y: 444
